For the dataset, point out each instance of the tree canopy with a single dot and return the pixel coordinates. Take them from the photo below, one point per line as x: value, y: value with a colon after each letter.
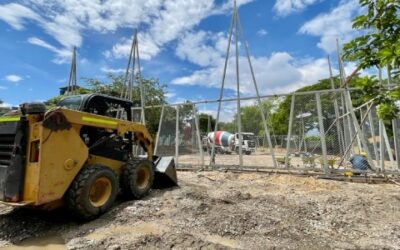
x: 378, y: 46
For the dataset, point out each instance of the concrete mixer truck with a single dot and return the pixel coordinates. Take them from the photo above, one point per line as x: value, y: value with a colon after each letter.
x: 226, y: 143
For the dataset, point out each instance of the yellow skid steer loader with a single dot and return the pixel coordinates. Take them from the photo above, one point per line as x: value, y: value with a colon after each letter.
x: 78, y: 155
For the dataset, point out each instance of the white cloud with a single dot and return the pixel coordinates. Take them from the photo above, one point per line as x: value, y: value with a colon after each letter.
x: 202, y: 48
x: 279, y: 73
x: 16, y: 15
x: 173, y: 21
x: 112, y: 71
x: 6, y: 105
x: 170, y: 95
x: 275, y: 74
x: 13, y: 78
x: 286, y: 7
x: 147, y: 48
x: 262, y: 32
x: 62, y: 55
x: 335, y: 24
x: 66, y: 21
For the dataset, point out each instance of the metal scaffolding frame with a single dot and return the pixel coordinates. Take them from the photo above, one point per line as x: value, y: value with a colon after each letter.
x: 236, y: 31
x: 198, y: 158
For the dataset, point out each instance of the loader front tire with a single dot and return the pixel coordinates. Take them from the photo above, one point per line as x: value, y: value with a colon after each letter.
x: 137, y: 178
x: 93, y: 192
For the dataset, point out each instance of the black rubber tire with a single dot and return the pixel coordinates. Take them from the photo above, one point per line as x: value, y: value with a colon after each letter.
x: 77, y: 197
x: 248, y: 152
x: 129, y: 175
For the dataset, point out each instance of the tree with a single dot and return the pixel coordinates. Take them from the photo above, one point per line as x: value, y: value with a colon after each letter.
x: 306, y: 109
x: 204, y: 120
x: 378, y: 46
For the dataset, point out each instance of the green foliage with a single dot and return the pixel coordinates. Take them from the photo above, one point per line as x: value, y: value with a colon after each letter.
x: 228, y: 126
x: 378, y: 46
x: 380, y: 43
x: 205, y: 125
x: 305, y: 107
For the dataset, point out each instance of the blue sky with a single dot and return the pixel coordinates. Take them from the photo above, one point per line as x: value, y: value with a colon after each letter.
x: 182, y: 43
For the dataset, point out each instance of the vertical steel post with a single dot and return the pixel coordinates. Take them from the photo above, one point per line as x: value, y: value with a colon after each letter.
x: 385, y: 137
x: 387, y: 143
x: 336, y: 107
x: 395, y: 127
x: 197, y: 126
x: 289, y: 131
x: 322, y: 132
x: 221, y: 95
x: 72, y: 75
x: 350, y: 119
x: 360, y: 135
x: 373, y: 134
x: 239, y: 114
x: 177, y: 136
x: 381, y: 146
x: 159, y: 130
x: 346, y: 133
x: 396, y: 138
x: 263, y: 116
x: 141, y: 87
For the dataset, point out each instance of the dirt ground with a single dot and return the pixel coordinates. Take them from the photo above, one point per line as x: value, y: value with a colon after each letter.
x: 216, y: 210
x: 262, y: 160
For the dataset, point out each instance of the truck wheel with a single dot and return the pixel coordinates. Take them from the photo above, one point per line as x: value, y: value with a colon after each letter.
x: 248, y: 152
x: 93, y: 192
x: 137, y: 178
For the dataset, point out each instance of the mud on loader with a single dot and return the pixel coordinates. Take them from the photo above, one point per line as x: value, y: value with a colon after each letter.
x: 77, y: 155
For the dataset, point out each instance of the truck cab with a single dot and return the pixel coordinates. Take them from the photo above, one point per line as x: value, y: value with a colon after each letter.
x: 248, y: 143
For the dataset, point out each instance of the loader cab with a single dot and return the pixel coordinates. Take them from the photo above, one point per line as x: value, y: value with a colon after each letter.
x: 98, y: 104
x: 103, y: 105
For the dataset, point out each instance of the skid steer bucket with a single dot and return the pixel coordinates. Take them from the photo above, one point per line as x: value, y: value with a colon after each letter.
x: 165, y: 172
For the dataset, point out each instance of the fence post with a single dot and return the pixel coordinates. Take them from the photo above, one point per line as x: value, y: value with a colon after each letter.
x: 396, y: 138
x: 322, y: 132
x: 388, y: 147
x: 289, y: 131
x: 159, y: 130
x: 197, y: 126
x: 381, y: 146
x: 373, y: 134
x: 177, y: 136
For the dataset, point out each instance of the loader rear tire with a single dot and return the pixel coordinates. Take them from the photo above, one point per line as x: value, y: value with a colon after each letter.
x: 93, y: 192
x: 137, y: 178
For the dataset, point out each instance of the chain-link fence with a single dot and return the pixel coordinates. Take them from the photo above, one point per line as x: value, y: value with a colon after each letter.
x: 313, y: 131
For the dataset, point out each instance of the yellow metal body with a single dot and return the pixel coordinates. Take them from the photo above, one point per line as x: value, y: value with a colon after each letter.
x: 62, y: 154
